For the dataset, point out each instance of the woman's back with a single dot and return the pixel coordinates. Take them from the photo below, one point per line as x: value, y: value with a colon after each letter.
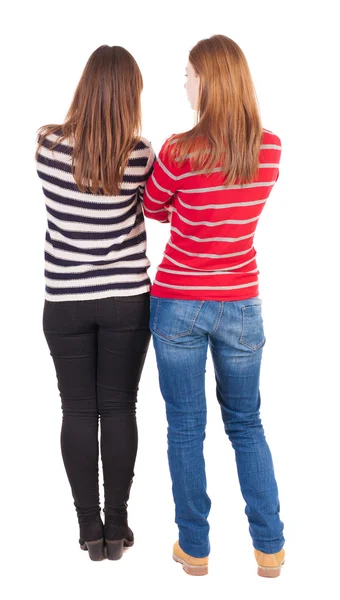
x: 210, y: 254
x: 95, y: 244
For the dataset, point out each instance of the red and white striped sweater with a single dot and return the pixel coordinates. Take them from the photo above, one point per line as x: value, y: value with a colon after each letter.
x: 210, y: 253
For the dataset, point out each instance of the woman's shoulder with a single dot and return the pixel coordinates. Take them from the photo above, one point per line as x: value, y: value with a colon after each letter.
x: 268, y: 137
x: 51, y: 138
x: 143, y: 149
x: 143, y: 144
x: 50, y: 132
x: 171, y: 140
x: 168, y: 146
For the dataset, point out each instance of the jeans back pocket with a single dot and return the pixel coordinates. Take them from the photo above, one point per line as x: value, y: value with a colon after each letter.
x: 59, y: 316
x: 171, y: 319
x: 252, y: 334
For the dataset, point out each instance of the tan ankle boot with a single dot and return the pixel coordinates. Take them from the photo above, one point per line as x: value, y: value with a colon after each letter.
x: 191, y: 565
x: 269, y: 565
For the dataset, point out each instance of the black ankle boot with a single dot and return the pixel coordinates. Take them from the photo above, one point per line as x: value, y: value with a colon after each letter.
x: 118, y: 534
x: 91, y: 535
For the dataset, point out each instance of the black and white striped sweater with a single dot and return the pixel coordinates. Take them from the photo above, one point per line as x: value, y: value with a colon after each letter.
x: 95, y: 244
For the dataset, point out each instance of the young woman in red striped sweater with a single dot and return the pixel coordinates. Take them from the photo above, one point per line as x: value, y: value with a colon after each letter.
x: 214, y: 180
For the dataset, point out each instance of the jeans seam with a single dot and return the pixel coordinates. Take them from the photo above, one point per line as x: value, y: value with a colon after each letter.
x: 241, y: 340
x: 254, y: 348
x: 116, y: 310
x: 219, y: 316
x: 196, y: 316
x: 177, y: 335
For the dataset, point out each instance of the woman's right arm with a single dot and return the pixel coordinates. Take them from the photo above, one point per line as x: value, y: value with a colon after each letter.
x: 159, y: 190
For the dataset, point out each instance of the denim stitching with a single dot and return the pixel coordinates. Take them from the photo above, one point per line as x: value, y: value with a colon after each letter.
x: 196, y: 315
x: 156, y: 315
x: 241, y: 341
x: 177, y: 335
x: 219, y: 316
x: 116, y: 310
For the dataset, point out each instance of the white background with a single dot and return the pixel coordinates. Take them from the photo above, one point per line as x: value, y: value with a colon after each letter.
x: 293, y: 50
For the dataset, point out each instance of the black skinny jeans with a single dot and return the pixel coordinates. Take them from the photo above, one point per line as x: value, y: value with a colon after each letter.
x: 99, y: 348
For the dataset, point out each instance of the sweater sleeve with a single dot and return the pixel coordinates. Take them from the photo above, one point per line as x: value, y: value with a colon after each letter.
x: 160, y: 188
x: 148, y: 170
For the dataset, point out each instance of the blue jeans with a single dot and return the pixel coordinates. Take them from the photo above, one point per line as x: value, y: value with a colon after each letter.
x: 182, y: 331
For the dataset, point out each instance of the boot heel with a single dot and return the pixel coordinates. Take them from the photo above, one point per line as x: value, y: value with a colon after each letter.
x: 114, y: 549
x: 269, y: 571
x: 191, y: 569
x: 95, y: 549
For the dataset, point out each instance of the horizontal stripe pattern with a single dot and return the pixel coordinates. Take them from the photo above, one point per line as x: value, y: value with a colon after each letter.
x: 95, y: 245
x: 210, y: 253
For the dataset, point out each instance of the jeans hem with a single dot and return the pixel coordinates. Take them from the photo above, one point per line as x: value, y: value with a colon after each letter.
x: 269, y: 547
x: 193, y: 551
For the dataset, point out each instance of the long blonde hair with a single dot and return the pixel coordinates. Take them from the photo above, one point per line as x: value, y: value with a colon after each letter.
x: 228, y: 131
x: 104, y: 120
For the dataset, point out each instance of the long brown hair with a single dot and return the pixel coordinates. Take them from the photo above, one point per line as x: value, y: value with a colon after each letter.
x: 228, y: 131
x: 103, y: 121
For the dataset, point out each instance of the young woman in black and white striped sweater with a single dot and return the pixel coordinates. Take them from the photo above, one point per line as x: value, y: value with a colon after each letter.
x: 93, y: 170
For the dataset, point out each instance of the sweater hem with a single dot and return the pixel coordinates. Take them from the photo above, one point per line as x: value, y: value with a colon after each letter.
x: 98, y: 295
x: 218, y: 296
